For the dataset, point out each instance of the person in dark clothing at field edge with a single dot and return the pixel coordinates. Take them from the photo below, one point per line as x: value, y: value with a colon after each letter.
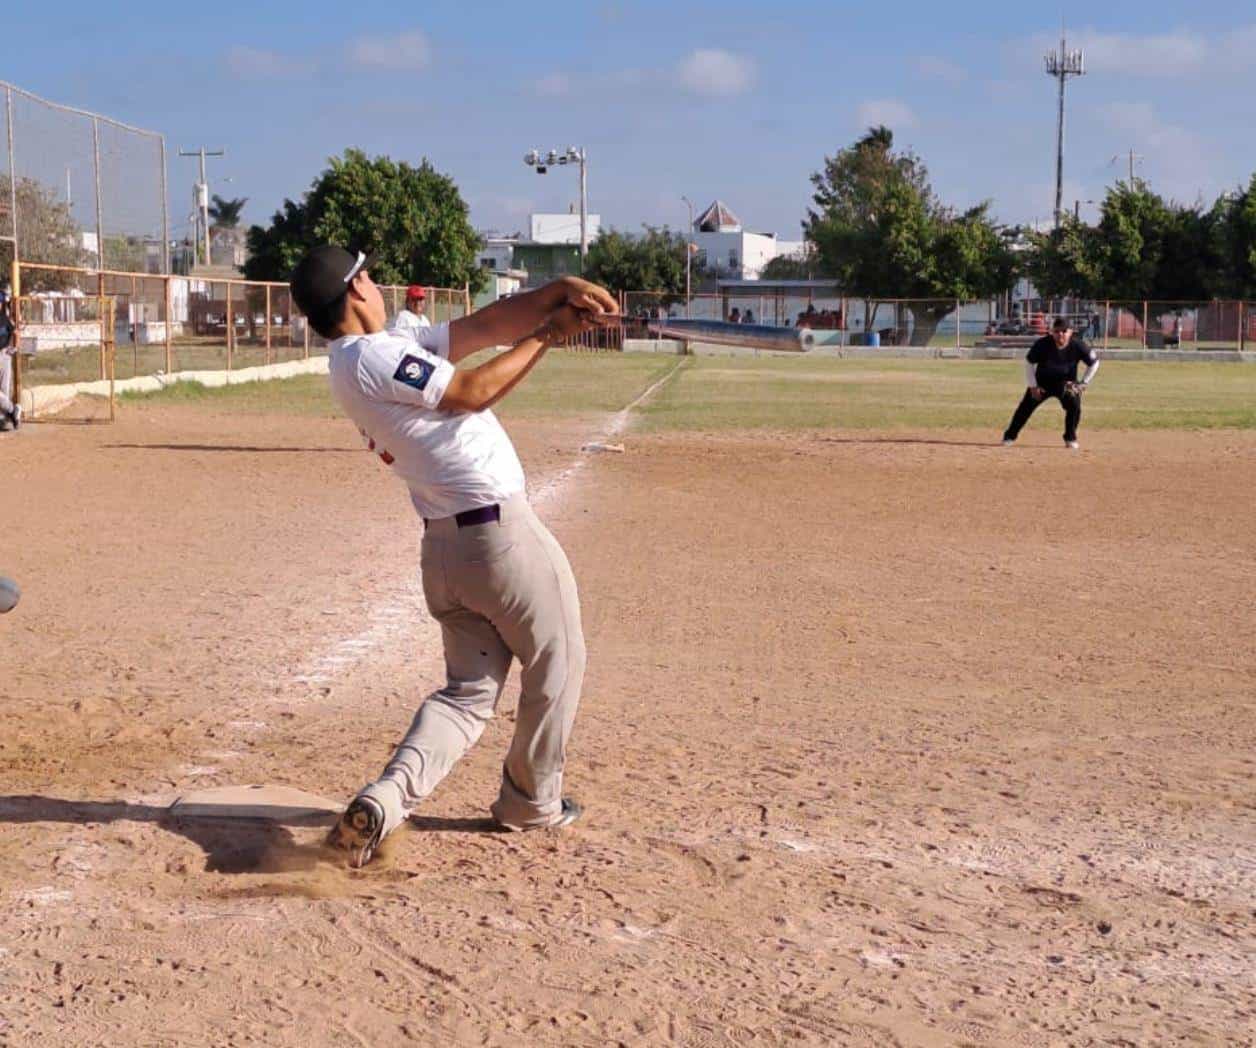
x: 1051, y: 371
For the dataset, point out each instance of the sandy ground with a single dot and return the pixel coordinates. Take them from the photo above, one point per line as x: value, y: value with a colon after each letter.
x: 885, y: 740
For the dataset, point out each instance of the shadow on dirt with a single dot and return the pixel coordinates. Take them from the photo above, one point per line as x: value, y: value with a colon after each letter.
x: 231, y: 845
x: 245, y: 448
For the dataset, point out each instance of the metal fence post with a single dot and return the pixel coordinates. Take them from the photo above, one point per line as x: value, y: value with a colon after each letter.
x: 15, y: 289
x: 1144, y: 323
x: 169, y: 323
x: 230, y: 327
x: 267, y: 323
x: 8, y: 108
x: 100, y: 235
x: 165, y: 210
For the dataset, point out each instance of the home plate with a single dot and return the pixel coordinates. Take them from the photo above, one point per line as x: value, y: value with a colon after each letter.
x: 272, y: 803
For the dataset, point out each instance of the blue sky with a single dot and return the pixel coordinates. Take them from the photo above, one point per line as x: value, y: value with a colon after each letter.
x: 736, y: 100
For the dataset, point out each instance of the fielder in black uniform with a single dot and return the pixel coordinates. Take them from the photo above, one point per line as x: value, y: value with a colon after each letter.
x: 1051, y: 371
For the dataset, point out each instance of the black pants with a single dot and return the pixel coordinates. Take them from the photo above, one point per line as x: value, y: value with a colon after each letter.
x: 1071, y: 402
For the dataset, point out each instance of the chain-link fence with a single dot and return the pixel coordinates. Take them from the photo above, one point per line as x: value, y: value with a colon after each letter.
x: 166, y: 324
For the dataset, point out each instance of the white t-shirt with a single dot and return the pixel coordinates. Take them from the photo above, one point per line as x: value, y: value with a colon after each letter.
x: 389, y: 386
x: 409, y: 324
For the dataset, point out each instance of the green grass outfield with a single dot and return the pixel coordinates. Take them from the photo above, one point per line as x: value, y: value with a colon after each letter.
x: 725, y: 393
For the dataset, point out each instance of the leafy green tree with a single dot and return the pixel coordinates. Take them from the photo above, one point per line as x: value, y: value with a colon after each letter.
x: 225, y: 214
x: 653, y: 260
x: 878, y: 228
x: 126, y: 254
x: 1066, y: 262
x: 788, y: 267
x: 1233, y: 221
x: 275, y: 250
x: 413, y: 217
x: 48, y: 233
x: 1143, y: 248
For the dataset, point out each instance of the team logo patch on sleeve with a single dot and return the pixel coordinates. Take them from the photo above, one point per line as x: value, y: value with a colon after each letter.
x: 414, y: 372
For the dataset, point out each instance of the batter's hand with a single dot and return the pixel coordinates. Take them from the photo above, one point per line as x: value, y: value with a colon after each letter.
x: 1037, y: 392
x: 1073, y: 388
x: 591, y: 299
x: 568, y: 320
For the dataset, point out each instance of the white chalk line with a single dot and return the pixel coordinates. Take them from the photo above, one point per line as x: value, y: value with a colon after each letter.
x: 403, y: 610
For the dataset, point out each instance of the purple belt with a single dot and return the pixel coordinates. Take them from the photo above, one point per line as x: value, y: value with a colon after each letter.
x: 468, y: 518
x: 481, y: 515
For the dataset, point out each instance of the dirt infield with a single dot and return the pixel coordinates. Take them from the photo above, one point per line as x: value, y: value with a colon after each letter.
x: 888, y: 738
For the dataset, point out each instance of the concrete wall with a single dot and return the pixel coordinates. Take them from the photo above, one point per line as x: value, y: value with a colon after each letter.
x: 36, y: 338
x: 711, y: 349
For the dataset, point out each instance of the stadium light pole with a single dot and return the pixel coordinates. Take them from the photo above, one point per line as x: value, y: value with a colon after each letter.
x: 688, y: 255
x: 571, y: 155
x: 1060, y: 65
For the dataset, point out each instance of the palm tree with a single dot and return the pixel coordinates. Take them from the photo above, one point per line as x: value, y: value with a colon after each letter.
x: 225, y: 214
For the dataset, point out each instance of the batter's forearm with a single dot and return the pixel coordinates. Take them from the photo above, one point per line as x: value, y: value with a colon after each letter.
x: 1031, y: 374
x: 504, y: 322
x: 481, y: 387
x: 1090, y: 373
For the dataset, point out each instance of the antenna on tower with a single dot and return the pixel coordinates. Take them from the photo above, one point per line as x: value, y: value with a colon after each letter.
x: 1061, y: 65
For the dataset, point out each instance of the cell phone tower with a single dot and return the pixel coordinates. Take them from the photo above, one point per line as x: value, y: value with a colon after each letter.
x: 1061, y: 65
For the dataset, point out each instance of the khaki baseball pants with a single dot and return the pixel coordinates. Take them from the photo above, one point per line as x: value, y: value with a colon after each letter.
x: 499, y: 590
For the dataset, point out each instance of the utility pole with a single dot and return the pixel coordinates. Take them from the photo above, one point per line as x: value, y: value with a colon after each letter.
x: 1060, y: 65
x: 584, y: 210
x: 688, y: 256
x: 200, y: 195
x: 1133, y: 157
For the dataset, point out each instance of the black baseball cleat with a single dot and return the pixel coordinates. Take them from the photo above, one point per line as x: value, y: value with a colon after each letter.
x: 359, y: 831
x: 571, y: 810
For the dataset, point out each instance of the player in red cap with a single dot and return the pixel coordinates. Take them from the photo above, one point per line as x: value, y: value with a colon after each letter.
x: 413, y: 319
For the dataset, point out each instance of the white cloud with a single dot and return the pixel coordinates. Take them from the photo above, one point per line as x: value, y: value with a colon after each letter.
x: 888, y: 111
x: 256, y: 63
x: 709, y: 71
x: 1140, y: 122
x: 936, y: 68
x: 1176, y: 160
x: 404, y: 52
x: 553, y: 85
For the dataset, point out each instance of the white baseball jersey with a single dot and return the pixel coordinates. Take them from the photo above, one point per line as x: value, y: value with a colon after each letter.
x: 409, y: 324
x: 390, y: 387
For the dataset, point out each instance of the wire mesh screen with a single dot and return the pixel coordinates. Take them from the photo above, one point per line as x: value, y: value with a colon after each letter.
x: 132, y: 198
x: 82, y: 189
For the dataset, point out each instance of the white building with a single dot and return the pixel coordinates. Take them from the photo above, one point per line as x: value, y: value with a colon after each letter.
x: 724, y: 246
x: 497, y: 253
x: 561, y: 228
